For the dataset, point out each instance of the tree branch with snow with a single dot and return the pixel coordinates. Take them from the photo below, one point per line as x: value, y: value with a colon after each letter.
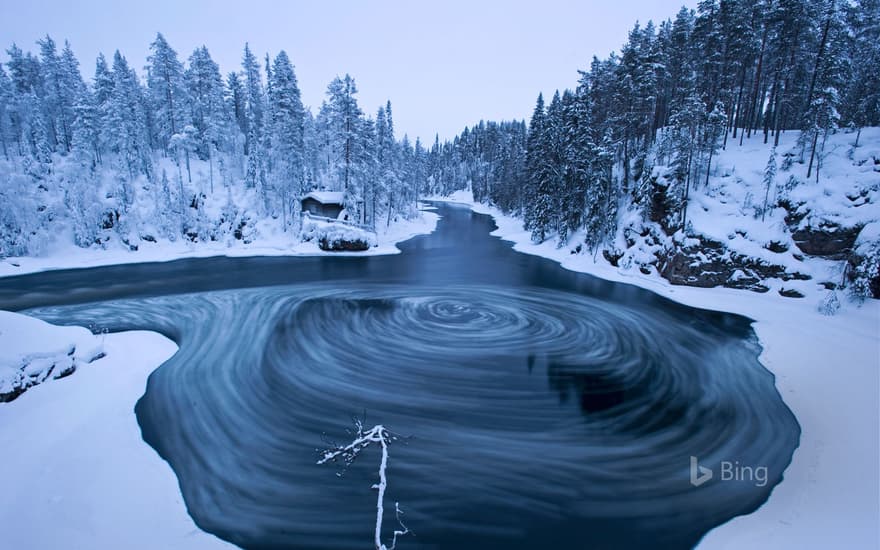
x: 348, y: 453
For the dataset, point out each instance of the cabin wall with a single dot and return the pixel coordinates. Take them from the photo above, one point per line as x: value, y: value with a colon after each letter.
x: 316, y: 208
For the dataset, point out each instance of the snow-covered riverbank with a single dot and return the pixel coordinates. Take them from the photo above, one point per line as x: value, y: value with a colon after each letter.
x: 76, y: 472
x: 68, y: 256
x: 826, y: 370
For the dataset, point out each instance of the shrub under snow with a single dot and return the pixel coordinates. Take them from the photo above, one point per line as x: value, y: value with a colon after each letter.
x: 864, y: 263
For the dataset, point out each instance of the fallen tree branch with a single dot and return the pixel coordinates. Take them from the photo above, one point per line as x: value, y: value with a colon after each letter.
x: 348, y: 453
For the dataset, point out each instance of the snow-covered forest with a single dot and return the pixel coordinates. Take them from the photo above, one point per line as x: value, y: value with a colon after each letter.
x: 716, y: 148
x: 746, y: 111
x: 181, y: 152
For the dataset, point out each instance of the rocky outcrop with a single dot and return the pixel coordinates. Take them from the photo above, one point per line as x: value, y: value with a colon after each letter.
x: 709, y: 264
x: 829, y: 240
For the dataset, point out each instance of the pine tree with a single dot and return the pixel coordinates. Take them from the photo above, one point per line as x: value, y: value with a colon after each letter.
x: 61, y: 84
x: 207, y: 109
x: 828, y: 77
x: 388, y: 181
x: 126, y: 124
x: 236, y: 104
x: 346, y: 137
x: 540, y: 173
x: 862, y: 101
x: 5, y: 108
x: 685, y: 127
x: 253, y: 97
x: 287, y: 127
x: 167, y: 94
x: 102, y: 86
x: 769, y: 179
x: 72, y: 87
x: 533, y: 164
x: 86, y: 143
x: 716, y: 122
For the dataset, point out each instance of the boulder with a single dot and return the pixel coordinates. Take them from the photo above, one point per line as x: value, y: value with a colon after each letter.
x: 343, y: 245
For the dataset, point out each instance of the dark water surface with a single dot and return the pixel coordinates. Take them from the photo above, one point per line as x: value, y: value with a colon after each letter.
x: 546, y: 408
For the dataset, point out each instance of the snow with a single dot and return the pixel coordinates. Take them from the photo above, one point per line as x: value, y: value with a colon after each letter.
x: 334, y: 232
x: 76, y: 472
x: 826, y: 370
x: 728, y: 209
x: 69, y: 256
x: 327, y: 197
x: 847, y: 193
x: 377, y: 434
x: 869, y: 234
x: 29, y: 357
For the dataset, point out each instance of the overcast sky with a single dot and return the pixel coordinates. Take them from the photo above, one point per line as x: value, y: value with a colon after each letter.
x: 443, y: 64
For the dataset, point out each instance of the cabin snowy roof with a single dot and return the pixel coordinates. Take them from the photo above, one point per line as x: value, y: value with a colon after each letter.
x: 326, y: 197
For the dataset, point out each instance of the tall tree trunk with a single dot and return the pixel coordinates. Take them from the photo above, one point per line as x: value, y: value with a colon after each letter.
x: 766, y: 200
x: 773, y: 106
x: 687, y: 189
x: 753, y: 104
x: 708, y: 167
x: 211, y: 168
x: 760, y: 113
x: 823, y: 42
x: 780, y: 110
x: 812, y: 151
x: 734, y: 109
x: 390, y: 208
x: 821, y: 150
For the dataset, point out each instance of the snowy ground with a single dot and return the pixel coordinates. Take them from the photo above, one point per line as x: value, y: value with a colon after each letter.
x: 68, y: 256
x: 76, y: 473
x: 826, y: 371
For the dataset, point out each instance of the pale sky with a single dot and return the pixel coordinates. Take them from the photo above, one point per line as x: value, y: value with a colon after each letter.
x: 444, y: 64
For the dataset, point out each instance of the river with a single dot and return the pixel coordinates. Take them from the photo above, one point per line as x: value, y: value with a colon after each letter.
x: 536, y: 407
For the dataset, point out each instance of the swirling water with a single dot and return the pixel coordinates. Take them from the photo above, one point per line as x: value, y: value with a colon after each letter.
x: 544, y: 408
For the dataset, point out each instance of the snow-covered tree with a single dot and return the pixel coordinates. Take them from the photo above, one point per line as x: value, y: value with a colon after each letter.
x: 287, y: 129
x: 167, y: 93
x: 769, y: 180
x: 346, y: 144
x: 208, y: 111
x: 125, y: 122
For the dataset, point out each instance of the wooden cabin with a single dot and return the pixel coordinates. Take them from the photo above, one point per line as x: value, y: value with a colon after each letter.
x: 327, y: 204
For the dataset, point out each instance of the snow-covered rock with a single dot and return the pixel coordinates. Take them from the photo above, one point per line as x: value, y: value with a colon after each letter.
x: 32, y: 352
x: 338, y: 236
